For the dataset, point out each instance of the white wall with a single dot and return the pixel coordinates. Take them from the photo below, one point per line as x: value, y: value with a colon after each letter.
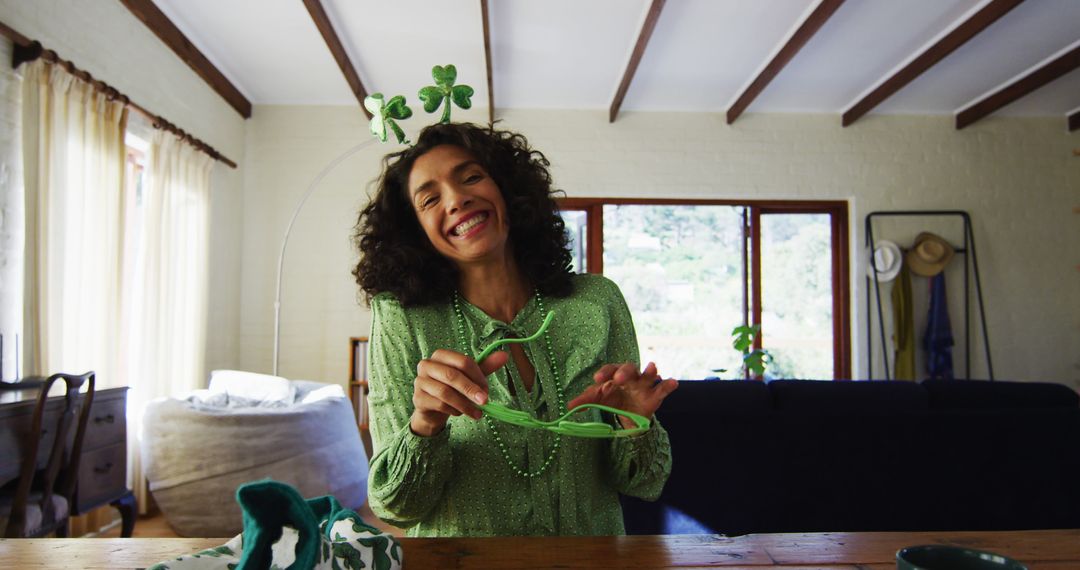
x: 1017, y: 178
x: 287, y: 148
x: 102, y: 37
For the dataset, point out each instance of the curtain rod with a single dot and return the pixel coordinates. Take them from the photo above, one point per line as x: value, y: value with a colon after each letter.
x: 27, y: 50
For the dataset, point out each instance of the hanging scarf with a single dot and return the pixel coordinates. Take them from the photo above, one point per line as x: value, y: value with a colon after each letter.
x: 938, y: 340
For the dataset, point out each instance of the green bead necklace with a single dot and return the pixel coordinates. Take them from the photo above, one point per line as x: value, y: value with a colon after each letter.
x: 558, y: 392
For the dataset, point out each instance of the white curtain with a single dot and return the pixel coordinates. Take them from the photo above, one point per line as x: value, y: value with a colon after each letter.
x: 12, y: 218
x: 73, y: 144
x: 168, y: 291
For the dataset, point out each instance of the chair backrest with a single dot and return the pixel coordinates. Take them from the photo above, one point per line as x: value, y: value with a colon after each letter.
x: 62, y: 468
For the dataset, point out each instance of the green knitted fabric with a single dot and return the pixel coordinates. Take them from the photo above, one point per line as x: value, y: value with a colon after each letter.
x: 280, y: 528
x: 282, y: 531
x: 269, y: 506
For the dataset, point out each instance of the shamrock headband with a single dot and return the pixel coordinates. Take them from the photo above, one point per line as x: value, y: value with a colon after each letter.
x: 385, y: 114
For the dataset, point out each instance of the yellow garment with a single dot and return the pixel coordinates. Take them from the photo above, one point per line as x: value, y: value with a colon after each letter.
x: 904, y: 326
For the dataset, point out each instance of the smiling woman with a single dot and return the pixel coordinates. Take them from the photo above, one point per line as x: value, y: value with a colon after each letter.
x: 463, y: 247
x: 398, y: 257
x: 471, y: 225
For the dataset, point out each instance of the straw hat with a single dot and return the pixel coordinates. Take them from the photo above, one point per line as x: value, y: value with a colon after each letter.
x: 929, y: 254
x: 887, y: 259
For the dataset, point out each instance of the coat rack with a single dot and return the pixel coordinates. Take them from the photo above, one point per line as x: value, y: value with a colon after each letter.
x: 971, y: 264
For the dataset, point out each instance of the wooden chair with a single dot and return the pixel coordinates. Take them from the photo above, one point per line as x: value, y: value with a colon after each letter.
x: 40, y: 503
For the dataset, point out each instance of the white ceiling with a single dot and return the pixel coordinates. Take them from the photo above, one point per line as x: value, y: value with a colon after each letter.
x: 571, y: 54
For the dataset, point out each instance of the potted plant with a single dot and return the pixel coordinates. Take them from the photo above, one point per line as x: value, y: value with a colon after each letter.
x: 754, y: 359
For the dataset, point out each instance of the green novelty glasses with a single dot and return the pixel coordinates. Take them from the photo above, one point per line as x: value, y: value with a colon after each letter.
x: 563, y: 424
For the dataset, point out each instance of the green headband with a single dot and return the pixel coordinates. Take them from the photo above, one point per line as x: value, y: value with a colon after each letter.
x: 386, y: 113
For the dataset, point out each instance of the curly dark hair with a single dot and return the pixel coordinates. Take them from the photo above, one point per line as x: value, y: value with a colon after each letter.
x: 397, y: 257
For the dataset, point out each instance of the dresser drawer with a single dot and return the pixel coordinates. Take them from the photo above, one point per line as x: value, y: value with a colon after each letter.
x: 102, y: 476
x: 106, y: 425
x: 14, y: 433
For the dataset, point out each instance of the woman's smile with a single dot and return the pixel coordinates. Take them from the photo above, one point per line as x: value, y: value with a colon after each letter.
x: 470, y: 225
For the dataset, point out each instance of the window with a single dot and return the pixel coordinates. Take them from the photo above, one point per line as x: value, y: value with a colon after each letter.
x: 577, y: 227
x: 692, y: 270
x: 135, y: 153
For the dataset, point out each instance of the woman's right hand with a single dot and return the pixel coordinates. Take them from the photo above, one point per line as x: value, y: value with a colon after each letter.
x: 450, y: 384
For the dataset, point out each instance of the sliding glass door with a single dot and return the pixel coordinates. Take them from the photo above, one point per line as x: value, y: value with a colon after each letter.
x: 691, y: 271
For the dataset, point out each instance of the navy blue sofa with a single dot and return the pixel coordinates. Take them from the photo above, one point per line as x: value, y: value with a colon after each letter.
x: 811, y: 456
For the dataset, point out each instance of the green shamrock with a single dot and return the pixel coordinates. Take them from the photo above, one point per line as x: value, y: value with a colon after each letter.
x: 348, y: 555
x: 444, y: 89
x: 385, y: 114
x: 378, y: 545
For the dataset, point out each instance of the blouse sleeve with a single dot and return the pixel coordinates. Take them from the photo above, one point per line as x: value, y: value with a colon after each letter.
x: 408, y: 472
x: 639, y: 466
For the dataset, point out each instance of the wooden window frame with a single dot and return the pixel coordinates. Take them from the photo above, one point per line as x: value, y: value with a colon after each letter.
x: 838, y: 216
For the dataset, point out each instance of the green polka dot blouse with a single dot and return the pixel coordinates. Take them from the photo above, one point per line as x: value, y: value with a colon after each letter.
x: 458, y: 483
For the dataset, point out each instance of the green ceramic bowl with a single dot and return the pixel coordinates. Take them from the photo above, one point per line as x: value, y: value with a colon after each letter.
x: 941, y: 557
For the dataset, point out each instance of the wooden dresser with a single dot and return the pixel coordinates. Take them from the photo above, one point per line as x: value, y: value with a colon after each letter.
x: 103, y: 468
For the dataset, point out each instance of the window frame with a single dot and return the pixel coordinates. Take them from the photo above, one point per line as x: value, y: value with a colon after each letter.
x: 837, y: 210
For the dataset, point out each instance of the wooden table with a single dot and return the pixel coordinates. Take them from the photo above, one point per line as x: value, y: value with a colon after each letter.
x: 1039, y: 549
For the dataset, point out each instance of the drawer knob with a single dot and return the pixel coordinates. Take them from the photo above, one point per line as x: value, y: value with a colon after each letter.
x: 103, y: 468
x: 104, y: 419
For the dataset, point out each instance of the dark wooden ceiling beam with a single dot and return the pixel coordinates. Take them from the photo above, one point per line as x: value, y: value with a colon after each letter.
x: 487, y: 59
x: 930, y: 57
x: 15, y: 37
x: 810, y: 26
x: 26, y: 50
x: 337, y: 49
x: 167, y: 32
x: 635, y: 58
x: 1036, y: 79
x: 1074, y: 121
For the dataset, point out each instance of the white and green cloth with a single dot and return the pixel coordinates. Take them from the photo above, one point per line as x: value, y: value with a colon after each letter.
x: 285, y: 532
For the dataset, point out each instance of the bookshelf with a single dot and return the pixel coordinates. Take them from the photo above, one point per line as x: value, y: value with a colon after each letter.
x: 358, y: 385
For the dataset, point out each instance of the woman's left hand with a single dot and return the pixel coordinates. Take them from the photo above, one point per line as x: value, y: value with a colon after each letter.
x: 621, y: 386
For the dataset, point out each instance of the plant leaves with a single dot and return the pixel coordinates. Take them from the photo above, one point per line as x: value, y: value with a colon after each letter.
x: 753, y: 364
x: 756, y: 361
x: 744, y: 337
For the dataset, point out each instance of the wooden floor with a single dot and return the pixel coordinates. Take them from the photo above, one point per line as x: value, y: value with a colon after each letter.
x: 152, y: 526
x: 155, y: 526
